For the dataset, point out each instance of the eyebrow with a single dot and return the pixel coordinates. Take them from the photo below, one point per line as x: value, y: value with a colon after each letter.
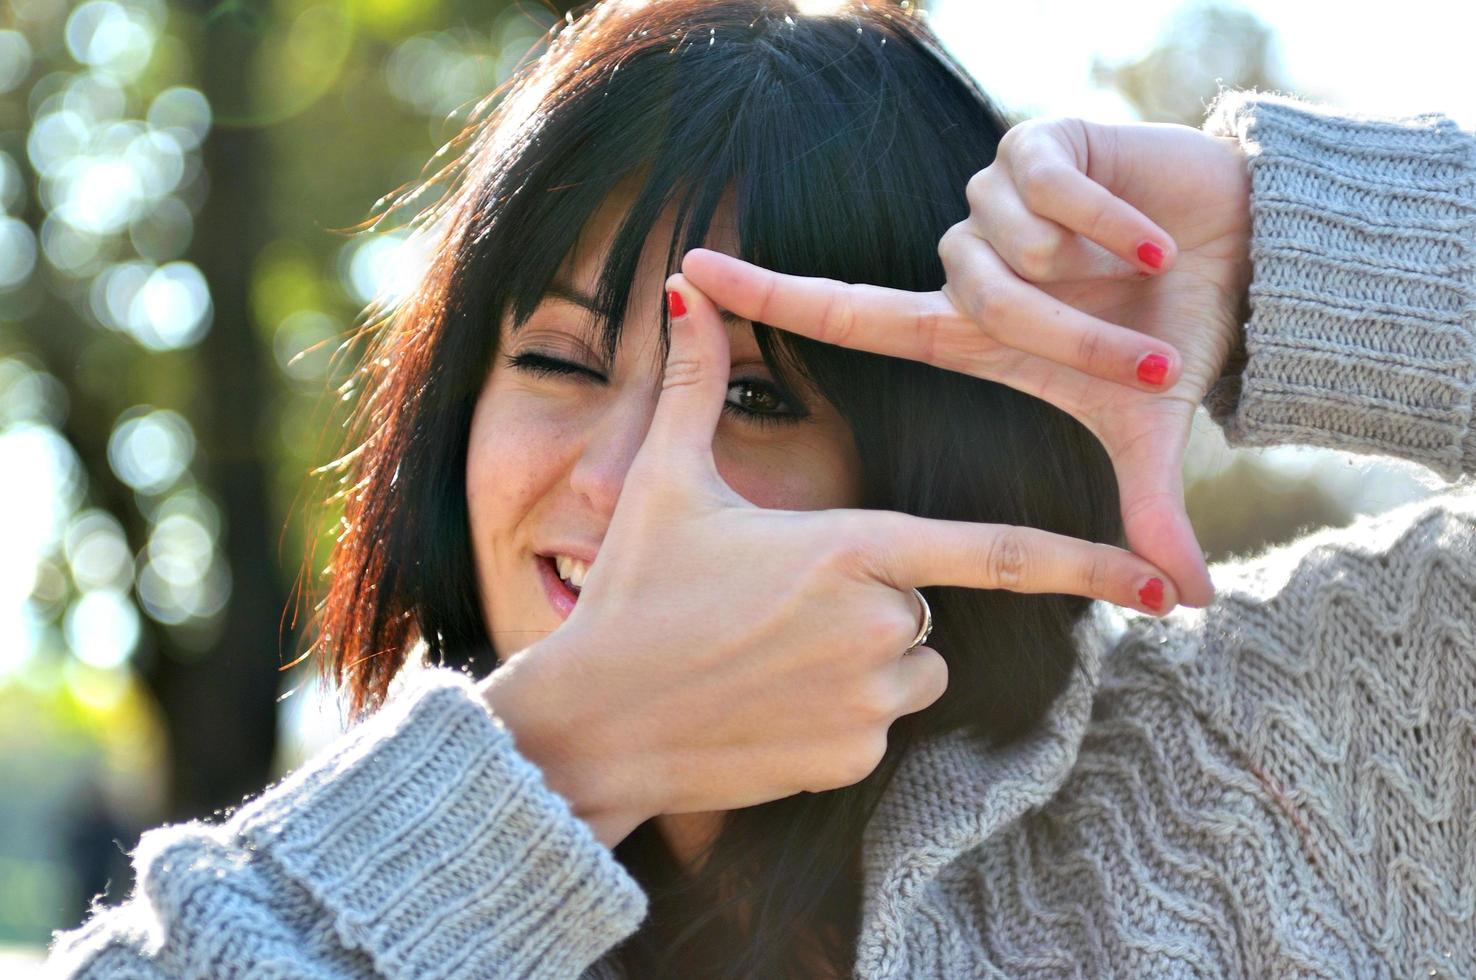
x: 563, y: 289
x: 566, y: 291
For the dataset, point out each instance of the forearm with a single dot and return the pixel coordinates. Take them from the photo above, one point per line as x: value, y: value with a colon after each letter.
x: 421, y: 835
x: 1360, y: 333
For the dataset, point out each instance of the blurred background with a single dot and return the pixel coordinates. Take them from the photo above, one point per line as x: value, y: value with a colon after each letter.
x: 178, y: 186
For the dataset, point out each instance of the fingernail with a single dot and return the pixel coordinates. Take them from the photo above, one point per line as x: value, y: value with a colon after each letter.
x: 1151, y: 594
x: 675, y: 303
x: 1152, y: 369
x: 1150, y: 255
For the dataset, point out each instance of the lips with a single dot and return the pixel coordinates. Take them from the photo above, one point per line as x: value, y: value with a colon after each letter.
x: 560, y: 595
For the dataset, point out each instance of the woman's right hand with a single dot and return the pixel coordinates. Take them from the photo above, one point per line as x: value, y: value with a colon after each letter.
x: 723, y: 655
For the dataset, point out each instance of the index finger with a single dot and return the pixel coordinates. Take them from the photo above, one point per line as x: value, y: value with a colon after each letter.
x: 998, y: 312
x: 908, y: 551
x: 863, y: 317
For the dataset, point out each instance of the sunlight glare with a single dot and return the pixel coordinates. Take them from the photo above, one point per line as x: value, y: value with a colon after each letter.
x: 818, y: 8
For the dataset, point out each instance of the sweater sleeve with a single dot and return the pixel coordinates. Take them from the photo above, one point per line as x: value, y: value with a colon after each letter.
x: 1341, y: 668
x: 1362, y: 327
x: 420, y: 844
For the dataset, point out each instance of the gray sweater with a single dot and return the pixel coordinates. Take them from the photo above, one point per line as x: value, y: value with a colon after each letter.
x: 1282, y: 783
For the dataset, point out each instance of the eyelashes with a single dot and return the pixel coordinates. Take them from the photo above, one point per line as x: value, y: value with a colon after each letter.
x: 780, y: 412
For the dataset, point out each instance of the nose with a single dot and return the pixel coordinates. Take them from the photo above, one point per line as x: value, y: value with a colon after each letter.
x: 600, y: 469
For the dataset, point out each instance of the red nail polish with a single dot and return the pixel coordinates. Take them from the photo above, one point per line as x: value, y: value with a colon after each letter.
x: 1152, y: 369
x: 1150, y: 255
x: 675, y: 303
x: 1152, y: 594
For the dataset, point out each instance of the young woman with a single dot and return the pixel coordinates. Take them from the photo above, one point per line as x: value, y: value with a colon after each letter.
x: 735, y: 756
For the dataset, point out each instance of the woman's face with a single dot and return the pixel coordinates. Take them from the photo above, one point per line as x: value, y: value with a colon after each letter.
x: 548, y: 452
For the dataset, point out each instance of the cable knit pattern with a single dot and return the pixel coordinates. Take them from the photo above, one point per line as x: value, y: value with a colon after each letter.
x: 1281, y: 784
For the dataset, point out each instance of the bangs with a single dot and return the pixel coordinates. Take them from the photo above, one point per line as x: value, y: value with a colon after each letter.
x: 814, y: 151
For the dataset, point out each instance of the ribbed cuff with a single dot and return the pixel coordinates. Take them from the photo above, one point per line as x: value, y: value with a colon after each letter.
x: 1362, y: 327
x: 439, y: 850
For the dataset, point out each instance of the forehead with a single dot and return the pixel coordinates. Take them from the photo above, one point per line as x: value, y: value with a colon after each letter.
x: 582, y: 266
x: 576, y: 278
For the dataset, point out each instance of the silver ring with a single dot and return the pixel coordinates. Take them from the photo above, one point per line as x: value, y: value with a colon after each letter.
x: 925, y: 628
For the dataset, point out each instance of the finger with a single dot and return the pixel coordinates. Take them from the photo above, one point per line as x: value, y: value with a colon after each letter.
x: 1052, y: 186
x: 1155, y: 520
x: 694, y: 382
x: 1025, y: 318
x: 922, y: 678
x: 906, y: 551
x: 1038, y: 249
x: 997, y: 308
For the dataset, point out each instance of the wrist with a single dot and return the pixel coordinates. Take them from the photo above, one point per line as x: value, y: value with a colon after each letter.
x: 562, y: 736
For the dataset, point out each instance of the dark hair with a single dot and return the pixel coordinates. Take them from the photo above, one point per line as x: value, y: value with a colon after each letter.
x: 848, y: 139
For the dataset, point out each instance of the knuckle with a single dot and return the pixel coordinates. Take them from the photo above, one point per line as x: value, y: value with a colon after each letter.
x: 1036, y: 183
x: 949, y: 241
x: 1100, y: 225
x: 840, y: 540
x: 1090, y: 350
x: 928, y: 328
x: 1007, y: 560
x: 1010, y: 142
x: 882, y: 632
x: 940, y: 677
x: 875, y: 702
x: 978, y: 189
x: 680, y: 371
x: 838, y: 319
x: 1037, y: 257
x: 1096, y: 575
x: 765, y: 302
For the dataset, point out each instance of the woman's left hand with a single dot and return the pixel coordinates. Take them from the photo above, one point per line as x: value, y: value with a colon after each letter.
x: 1049, y: 291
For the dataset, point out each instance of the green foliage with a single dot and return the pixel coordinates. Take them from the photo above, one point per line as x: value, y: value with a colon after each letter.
x: 155, y: 154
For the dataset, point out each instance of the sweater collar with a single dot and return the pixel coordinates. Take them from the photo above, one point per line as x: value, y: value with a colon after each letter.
x: 950, y: 795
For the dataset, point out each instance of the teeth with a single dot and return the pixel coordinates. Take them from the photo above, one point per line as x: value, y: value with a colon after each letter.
x: 571, y: 570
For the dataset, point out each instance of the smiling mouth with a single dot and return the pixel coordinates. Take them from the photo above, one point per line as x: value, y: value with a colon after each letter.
x: 561, y: 593
x: 576, y: 589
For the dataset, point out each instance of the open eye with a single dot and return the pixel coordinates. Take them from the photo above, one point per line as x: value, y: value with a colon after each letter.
x: 759, y: 401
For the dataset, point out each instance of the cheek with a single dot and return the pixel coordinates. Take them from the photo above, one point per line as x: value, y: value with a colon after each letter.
x: 814, y: 473
x: 508, y: 467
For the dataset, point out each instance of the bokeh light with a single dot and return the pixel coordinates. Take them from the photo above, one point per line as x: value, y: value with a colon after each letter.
x: 28, y: 394
x: 162, y: 307
x: 111, y: 36
x: 172, y: 309
x: 150, y: 449
x: 68, y: 249
x: 182, y: 113
x: 184, y: 577
x: 34, y: 510
x: 97, y: 552
x: 15, y: 59
x: 305, y: 343
x: 102, y: 628
x: 383, y: 267
x: 17, y: 252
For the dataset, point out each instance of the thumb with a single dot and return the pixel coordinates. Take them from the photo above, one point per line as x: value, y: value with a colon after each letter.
x: 1157, y: 525
x: 694, y: 383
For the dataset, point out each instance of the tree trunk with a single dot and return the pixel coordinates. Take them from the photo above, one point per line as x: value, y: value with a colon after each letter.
x: 230, y: 690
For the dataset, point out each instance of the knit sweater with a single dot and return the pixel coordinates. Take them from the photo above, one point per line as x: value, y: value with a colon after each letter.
x: 1282, y: 783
